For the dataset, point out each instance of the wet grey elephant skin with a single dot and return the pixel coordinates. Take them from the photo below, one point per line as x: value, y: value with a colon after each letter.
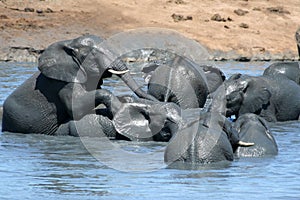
x: 180, y: 81
x: 195, y: 136
x: 147, y: 121
x: 275, y: 98
x: 291, y: 70
x: 199, y: 142
x: 66, y: 89
x: 208, y: 139
x: 252, y: 128
x: 214, y: 76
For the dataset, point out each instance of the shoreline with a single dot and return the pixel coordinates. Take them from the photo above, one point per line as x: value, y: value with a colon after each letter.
x: 30, y: 54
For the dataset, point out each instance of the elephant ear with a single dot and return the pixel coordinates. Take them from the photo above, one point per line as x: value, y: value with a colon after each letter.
x: 59, y: 61
x: 139, y: 121
x: 255, y: 97
x: 149, y: 70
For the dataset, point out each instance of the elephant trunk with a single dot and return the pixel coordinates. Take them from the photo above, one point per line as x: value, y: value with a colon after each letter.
x: 126, y: 77
x: 218, y: 104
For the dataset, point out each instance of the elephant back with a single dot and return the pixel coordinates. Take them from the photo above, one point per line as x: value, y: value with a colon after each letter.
x: 197, y: 143
x: 291, y: 70
x: 180, y: 81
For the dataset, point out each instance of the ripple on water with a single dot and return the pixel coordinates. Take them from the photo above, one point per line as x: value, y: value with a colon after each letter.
x: 45, y: 167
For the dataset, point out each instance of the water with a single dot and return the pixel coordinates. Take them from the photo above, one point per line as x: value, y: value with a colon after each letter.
x: 46, y: 167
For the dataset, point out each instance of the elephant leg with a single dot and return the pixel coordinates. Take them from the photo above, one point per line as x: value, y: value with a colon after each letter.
x: 91, y: 125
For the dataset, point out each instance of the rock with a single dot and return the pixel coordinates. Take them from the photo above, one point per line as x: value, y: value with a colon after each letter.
x: 20, y: 54
x: 178, y: 17
x: 240, y: 12
x: 243, y: 59
x: 217, y: 17
x: 176, y: 1
x: 256, y: 9
x: 278, y: 10
x: 27, y: 9
x: 243, y: 25
x: 48, y: 10
x: 39, y: 11
x: 3, y: 17
x: 229, y: 19
x: 189, y: 17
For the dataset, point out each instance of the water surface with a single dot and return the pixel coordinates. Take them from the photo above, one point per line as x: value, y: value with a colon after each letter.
x: 45, y: 167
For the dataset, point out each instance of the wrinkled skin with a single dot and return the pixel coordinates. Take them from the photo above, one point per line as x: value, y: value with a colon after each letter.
x: 291, y: 70
x: 252, y: 128
x: 275, y: 98
x: 214, y: 76
x: 195, y: 136
x: 176, y: 80
x: 147, y: 121
x: 66, y: 90
x: 208, y: 139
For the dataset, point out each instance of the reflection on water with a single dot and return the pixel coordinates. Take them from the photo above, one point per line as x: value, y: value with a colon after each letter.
x: 45, y: 167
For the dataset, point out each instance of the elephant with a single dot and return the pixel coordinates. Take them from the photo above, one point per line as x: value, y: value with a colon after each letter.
x: 208, y: 139
x: 253, y: 128
x: 66, y: 88
x: 275, y: 98
x: 144, y: 120
x: 180, y: 81
x: 289, y: 69
x: 194, y: 136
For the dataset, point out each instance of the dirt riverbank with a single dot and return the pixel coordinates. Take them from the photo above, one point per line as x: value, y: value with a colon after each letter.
x: 230, y: 29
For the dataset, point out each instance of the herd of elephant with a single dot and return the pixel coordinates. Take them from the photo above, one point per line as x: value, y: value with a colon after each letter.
x: 65, y: 98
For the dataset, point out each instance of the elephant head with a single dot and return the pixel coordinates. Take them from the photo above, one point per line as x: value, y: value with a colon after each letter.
x: 253, y: 128
x: 84, y: 60
x: 148, y: 120
x: 179, y: 80
x: 245, y: 94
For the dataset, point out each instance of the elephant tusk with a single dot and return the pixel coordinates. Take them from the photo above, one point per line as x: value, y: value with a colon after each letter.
x: 118, y: 72
x: 245, y: 144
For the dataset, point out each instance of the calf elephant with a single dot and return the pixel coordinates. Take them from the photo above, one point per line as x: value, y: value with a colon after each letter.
x: 252, y: 128
x: 289, y: 69
x: 273, y: 98
x: 66, y: 88
x: 147, y: 121
x: 180, y: 81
